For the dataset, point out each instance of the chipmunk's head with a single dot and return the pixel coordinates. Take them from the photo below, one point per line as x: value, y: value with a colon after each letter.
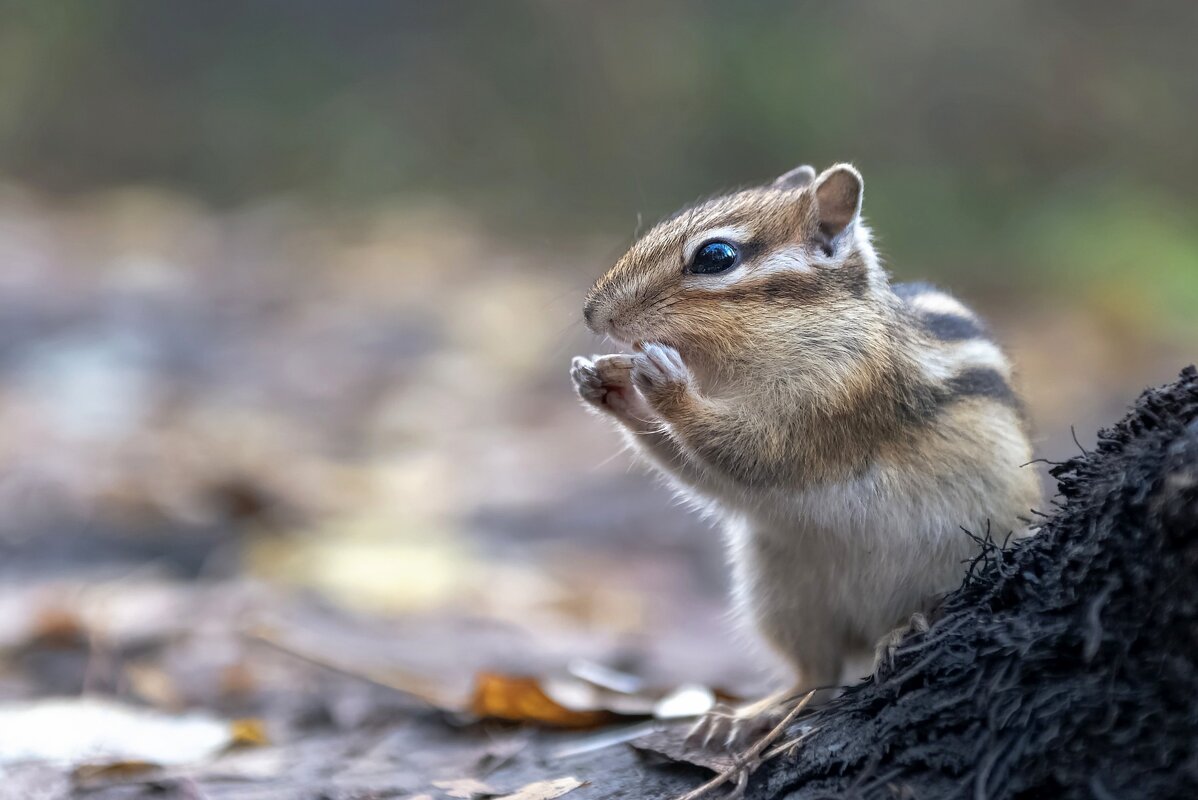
x: 783, y: 271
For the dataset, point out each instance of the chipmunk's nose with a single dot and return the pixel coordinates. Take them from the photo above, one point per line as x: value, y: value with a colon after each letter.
x: 597, y: 318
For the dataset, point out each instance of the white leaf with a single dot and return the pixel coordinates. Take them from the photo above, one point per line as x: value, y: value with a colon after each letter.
x: 77, y: 731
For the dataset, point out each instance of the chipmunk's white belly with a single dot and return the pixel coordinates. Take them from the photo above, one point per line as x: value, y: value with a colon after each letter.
x: 826, y: 572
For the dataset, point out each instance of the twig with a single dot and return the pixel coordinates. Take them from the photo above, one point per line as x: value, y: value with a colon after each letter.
x: 1073, y: 433
x: 267, y: 638
x: 744, y: 764
x: 1041, y: 461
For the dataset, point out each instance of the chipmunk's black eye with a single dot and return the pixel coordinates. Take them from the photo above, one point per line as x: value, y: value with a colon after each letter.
x: 714, y: 257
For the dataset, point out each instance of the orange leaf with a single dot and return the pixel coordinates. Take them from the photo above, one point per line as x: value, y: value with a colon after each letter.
x: 521, y: 699
x: 249, y: 732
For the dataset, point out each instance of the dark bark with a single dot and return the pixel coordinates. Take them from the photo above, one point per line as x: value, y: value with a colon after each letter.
x: 1063, y: 668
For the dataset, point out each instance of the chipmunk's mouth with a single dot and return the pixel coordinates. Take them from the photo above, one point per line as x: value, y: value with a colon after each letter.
x: 620, y: 337
x: 639, y: 345
x: 634, y: 340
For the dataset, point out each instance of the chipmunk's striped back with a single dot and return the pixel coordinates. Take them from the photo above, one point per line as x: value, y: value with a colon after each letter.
x: 956, y: 351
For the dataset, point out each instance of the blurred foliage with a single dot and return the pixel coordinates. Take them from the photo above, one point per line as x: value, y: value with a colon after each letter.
x: 1050, y: 144
x: 961, y: 114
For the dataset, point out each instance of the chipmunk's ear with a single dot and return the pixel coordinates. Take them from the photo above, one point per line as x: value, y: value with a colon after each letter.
x: 838, y: 201
x: 797, y: 178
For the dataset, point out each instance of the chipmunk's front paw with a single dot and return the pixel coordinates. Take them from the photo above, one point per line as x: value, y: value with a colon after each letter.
x: 660, y: 374
x: 604, y: 382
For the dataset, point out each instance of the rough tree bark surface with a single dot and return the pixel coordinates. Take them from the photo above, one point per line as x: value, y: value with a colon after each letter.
x: 1063, y: 668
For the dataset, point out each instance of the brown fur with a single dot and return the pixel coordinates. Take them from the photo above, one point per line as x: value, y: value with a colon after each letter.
x: 804, y: 374
x: 844, y: 430
x: 770, y: 329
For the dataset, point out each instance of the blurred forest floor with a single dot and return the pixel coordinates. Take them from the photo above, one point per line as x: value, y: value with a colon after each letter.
x: 319, y: 474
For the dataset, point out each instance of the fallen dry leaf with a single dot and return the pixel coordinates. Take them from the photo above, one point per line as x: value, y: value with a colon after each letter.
x: 79, y: 731
x: 669, y: 743
x: 117, y: 770
x: 577, y: 702
x: 249, y: 732
x: 522, y: 699
x: 465, y: 788
x: 58, y: 627
x: 544, y: 790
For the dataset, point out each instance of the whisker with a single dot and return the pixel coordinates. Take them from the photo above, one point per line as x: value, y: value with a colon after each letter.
x: 609, y: 459
x: 653, y: 299
x: 664, y: 302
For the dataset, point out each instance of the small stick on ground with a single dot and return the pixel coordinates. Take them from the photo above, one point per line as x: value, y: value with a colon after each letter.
x: 744, y: 764
x: 413, y: 687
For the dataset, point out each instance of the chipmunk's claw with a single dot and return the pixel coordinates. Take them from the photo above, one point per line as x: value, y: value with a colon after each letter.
x: 725, y: 728
x: 659, y: 373
x: 586, y: 380
x: 604, y: 382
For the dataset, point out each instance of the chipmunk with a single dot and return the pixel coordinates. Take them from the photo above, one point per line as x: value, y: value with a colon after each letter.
x: 845, y: 431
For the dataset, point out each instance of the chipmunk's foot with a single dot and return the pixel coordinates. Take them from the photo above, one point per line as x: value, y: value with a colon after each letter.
x: 605, y: 383
x: 888, y: 644
x: 736, y: 729
x: 726, y: 728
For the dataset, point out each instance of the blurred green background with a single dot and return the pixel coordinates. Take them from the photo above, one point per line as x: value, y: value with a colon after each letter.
x: 289, y: 288
x: 1050, y: 144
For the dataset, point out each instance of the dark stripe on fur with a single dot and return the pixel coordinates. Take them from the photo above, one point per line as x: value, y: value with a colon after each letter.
x: 982, y: 382
x: 952, y: 327
x: 943, y: 327
x: 797, y: 288
x: 854, y: 275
